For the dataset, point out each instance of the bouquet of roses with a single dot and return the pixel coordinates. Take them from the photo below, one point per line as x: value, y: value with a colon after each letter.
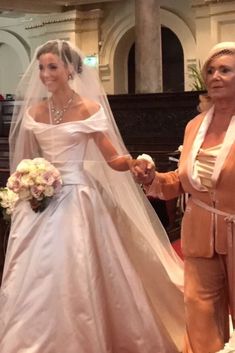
x: 7, y: 202
x: 35, y: 180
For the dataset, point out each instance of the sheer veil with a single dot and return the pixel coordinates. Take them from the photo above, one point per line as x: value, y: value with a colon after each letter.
x: 144, y: 238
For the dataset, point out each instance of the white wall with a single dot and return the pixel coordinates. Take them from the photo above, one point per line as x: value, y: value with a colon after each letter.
x: 14, y: 59
x: 10, y: 69
x: 215, y: 22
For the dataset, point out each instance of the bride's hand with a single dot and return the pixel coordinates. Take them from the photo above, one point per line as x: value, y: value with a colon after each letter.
x: 142, y: 170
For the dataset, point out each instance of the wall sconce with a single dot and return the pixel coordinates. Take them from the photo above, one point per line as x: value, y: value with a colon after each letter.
x: 92, y: 60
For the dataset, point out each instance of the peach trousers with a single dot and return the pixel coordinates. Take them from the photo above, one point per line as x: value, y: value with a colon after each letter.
x: 206, y: 304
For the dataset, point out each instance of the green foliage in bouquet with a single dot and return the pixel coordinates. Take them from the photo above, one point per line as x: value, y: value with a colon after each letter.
x: 39, y: 205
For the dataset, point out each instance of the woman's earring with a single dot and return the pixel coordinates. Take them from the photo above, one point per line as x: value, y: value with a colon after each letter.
x: 70, y: 77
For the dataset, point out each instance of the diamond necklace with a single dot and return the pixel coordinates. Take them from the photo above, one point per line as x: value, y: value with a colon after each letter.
x: 58, y: 114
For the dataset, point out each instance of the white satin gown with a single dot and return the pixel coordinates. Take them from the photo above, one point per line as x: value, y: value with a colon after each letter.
x: 69, y: 285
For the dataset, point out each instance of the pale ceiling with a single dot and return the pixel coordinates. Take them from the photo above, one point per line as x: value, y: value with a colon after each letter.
x: 11, y: 8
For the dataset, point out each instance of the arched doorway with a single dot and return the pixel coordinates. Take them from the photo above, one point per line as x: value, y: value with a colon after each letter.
x: 172, y: 63
x: 131, y: 70
x: 14, y: 59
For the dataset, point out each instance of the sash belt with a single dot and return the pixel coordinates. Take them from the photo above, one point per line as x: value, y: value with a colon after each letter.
x: 230, y: 220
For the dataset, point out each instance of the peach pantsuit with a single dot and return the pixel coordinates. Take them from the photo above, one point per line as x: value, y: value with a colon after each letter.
x: 206, y: 237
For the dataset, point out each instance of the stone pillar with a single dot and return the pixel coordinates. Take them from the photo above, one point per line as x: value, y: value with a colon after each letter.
x: 148, y: 46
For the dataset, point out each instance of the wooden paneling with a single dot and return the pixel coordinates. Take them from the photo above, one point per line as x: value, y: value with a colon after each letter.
x: 6, y: 110
x: 154, y: 123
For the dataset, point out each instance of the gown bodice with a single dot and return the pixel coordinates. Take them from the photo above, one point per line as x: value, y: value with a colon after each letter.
x: 64, y: 145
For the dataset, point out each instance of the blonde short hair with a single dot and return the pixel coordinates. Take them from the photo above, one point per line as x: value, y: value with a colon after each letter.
x: 223, y: 48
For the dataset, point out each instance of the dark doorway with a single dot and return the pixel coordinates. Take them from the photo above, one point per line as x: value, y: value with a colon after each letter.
x: 172, y: 63
x: 131, y: 70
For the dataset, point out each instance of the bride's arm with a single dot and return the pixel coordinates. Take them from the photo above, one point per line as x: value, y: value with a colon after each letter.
x: 115, y: 161
x: 120, y: 162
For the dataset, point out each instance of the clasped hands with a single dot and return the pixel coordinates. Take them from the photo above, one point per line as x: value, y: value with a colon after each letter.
x: 143, y: 171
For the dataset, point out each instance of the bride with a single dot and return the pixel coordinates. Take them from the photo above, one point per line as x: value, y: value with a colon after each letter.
x: 94, y: 272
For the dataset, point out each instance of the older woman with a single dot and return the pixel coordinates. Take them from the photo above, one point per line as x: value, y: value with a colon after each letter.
x: 207, y: 172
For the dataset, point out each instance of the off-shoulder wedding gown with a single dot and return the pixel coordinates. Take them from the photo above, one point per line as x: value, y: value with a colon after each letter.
x: 69, y: 283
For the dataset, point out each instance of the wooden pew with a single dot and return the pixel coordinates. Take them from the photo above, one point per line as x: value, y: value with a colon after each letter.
x: 154, y: 123
x: 6, y: 110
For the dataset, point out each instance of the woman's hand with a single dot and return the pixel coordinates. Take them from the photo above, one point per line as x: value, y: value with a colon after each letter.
x: 142, y: 170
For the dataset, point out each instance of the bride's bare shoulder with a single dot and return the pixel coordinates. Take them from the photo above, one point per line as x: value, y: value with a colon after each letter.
x: 38, y: 110
x: 88, y: 107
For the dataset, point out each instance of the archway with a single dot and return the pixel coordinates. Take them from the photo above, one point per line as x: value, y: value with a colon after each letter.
x: 121, y: 62
x: 172, y: 63
x: 116, y: 47
x: 14, y: 59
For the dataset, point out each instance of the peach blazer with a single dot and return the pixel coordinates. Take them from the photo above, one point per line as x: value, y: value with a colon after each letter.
x: 202, y: 231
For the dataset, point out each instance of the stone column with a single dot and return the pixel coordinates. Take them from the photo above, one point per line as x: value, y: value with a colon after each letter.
x: 148, y: 46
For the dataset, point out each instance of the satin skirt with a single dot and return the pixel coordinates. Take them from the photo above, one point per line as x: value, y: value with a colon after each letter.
x: 70, y: 284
